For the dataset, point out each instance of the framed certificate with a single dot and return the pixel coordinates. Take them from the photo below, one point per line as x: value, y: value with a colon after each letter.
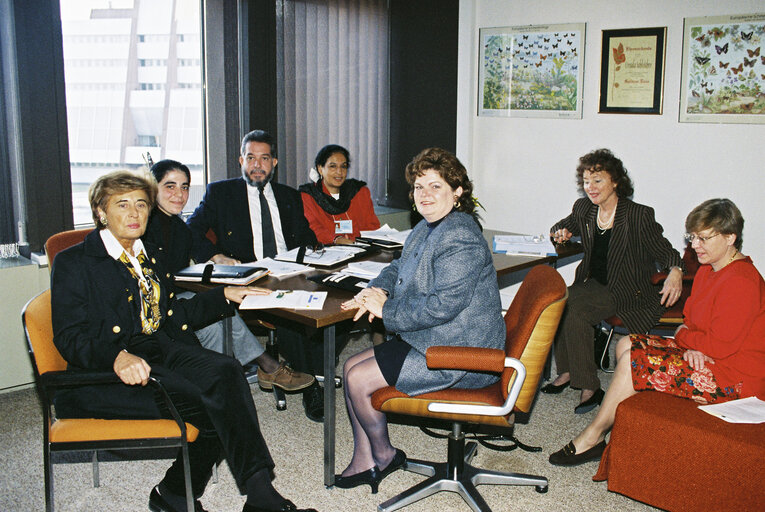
x: 632, y: 70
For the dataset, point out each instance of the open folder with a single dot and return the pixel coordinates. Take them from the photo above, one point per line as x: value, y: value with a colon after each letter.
x: 221, y: 274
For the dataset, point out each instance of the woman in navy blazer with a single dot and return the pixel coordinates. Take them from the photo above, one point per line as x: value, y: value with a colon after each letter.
x: 113, y: 309
x: 441, y: 291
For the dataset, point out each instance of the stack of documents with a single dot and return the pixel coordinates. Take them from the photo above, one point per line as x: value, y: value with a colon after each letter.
x: 326, y: 257
x: 286, y: 299
x: 364, y: 269
x: 524, y: 245
x: 282, y: 268
x: 385, y: 237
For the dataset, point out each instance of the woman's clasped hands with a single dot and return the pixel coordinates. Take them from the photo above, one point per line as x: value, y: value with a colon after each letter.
x: 368, y: 300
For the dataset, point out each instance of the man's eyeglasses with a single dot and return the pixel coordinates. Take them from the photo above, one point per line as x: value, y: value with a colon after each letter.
x: 690, y: 237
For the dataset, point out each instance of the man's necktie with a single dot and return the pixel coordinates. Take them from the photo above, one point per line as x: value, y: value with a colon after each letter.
x: 267, y: 227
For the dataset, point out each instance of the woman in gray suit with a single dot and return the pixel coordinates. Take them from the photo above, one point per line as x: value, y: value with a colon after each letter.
x: 441, y: 291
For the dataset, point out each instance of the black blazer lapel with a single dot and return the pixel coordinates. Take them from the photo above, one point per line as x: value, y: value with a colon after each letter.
x: 619, y: 236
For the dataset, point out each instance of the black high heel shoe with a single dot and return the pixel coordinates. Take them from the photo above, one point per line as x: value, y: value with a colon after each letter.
x: 554, y: 389
x: 398, y: 461
x: 369, y: 477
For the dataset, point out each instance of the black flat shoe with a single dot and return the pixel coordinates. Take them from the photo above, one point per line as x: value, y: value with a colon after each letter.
x: 157, y: 503
x: 398, y: 462
x: 313, y: 403
x: 567, y: 455
x: 287, y: 506
x: 553, y: 389
x: 590, y: 403
x: 369, y: 477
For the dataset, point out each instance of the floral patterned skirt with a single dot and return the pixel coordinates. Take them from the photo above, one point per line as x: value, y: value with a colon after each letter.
x: 657, y: 364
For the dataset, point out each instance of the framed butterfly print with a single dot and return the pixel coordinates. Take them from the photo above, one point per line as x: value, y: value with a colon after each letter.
x: 723, y: 78
x: 531, y: 71
x: 632, y: 71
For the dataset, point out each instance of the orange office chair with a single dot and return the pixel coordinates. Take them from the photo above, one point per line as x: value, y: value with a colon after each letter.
x: 672, y: 316
x: 531, y: 322
x: 63, y: 240
x: 66, y: 435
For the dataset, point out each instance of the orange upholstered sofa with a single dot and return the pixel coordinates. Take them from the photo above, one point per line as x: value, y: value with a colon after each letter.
x: 667, y: 453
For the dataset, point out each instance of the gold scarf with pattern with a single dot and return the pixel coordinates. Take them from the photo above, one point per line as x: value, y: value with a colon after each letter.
x: 149, y: 288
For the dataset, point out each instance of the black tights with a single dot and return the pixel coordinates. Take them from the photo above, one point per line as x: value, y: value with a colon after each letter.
x: 371, y: 443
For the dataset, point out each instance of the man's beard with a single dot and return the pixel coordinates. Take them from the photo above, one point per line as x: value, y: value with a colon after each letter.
x: 253, y: 183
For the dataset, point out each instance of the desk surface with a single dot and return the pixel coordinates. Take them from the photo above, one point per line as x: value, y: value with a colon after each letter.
x: 332, y: 314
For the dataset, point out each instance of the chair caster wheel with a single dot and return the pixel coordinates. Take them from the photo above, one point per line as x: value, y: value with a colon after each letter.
x: 541, y: 489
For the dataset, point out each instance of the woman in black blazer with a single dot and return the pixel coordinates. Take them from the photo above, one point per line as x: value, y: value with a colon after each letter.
x: 623, y: 246
x: 113, y: 309
x: 172, y: 237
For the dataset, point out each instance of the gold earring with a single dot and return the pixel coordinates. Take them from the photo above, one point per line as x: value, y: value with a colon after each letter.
x: 414, y: 207
x: 103, y: 220
x: 457, y: 202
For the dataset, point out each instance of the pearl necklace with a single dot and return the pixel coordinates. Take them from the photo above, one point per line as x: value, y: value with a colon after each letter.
x: 603, y: 226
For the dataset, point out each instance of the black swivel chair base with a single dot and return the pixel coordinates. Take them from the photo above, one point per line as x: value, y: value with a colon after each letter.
x: 457, y: 475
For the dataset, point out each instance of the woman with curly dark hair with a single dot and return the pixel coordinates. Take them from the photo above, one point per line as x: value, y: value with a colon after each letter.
x: 623, y: 245
x: 441, y: 291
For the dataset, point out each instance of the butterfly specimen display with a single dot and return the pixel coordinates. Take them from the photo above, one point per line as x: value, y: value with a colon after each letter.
x: 724, y: 69
x: 530, y: 72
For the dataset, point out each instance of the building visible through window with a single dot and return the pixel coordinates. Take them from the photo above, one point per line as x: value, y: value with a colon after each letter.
x: 133, y: 86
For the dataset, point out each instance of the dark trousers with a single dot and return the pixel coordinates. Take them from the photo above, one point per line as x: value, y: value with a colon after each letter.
x: 209, y: 391
x: 304, y: 351
x: 588, y: 304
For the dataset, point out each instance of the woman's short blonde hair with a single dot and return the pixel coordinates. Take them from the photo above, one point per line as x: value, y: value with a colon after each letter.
x: 119, y: 182
x: 720, y: 215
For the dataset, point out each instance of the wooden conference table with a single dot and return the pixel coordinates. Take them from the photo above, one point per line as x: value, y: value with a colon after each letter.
x: 326, y: 319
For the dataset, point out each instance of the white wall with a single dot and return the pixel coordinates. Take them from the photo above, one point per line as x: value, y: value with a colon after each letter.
x: 524, y: 169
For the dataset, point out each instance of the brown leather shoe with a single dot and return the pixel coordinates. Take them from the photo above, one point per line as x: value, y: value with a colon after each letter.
x: 284, y: 377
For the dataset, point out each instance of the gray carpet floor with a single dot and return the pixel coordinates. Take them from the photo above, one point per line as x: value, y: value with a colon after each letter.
x: 296, y: 446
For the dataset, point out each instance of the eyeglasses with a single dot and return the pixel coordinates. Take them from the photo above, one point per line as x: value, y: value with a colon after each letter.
x: 690, y: 237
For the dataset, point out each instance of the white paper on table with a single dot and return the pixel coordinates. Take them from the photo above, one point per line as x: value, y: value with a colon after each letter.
x: 526, y: 245
x: 364, y: 269
x: 285, y: 299
x: 282, y: 268
x: 327, y: 256
x: 387, y: 233
x: 743, y: 410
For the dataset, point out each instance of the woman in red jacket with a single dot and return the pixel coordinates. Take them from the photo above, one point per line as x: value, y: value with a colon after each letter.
x: 337, y: 208
x: 717, y: 354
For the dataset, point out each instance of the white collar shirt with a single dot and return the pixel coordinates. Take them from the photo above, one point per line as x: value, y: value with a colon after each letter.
x: 253, y: 199
x: 115, y: 250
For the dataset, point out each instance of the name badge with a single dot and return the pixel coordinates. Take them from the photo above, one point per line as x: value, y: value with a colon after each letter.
x: 343, y: 226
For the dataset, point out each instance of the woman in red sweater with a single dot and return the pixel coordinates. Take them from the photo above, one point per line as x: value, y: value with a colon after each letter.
x: 337, y: 208
x: 717, y: 354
